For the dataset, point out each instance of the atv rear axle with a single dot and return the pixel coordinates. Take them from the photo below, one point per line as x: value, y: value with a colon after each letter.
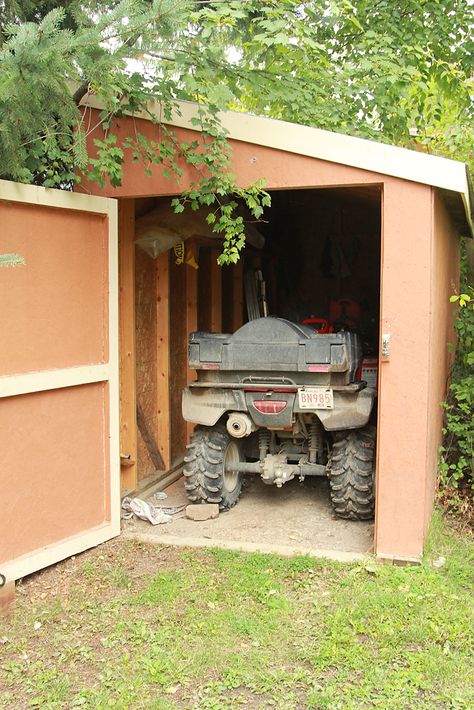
x: 275, y: 469
x: 308, y: 469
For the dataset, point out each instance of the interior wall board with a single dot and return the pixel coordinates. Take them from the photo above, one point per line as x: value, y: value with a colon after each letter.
x: 210, y: 285
x: 163, y: 356
x: 227, y: 298
x: 216, y: 292
x: 204, y: 291
x: 192, y: 277
x: 127, y: 338
x: 237, y: 314
x: 178, y: 357
x: 301, y: 276
x: 146, y: 352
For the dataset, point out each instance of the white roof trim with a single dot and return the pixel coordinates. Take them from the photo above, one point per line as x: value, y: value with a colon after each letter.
x: 333, y: 147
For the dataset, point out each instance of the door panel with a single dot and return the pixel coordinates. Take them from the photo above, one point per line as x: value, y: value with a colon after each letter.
x: 58, y: 375
x: 56, y: 302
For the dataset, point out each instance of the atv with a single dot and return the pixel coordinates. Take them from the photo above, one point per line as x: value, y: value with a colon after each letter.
x: 281, y: 400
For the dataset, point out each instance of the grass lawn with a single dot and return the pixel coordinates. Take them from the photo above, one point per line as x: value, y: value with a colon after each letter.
x: 138, y: 626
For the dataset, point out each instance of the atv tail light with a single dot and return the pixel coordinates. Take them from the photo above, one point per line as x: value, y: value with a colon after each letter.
x: 269, y: 406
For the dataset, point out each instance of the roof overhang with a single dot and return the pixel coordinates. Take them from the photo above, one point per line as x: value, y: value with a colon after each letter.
x: 447, y: 175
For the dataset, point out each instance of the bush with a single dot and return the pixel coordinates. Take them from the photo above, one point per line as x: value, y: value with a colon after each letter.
x: 456, y: 469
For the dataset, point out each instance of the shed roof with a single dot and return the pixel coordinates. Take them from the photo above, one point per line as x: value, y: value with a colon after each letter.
x: 450, y: 176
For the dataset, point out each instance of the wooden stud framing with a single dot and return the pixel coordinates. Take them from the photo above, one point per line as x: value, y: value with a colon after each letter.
x: 191, y: 308
x: 216, y: 292
x: 237, y: 295
x: 128, y: 394
x: 163, y: 356
x: 177, y: 356
x: 191, y: 321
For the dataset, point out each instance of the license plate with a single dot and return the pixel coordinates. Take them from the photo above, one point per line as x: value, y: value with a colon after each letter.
x: 316, y: 398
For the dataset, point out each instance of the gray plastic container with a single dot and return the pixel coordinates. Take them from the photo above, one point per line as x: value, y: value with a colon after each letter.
x: 277, y: 345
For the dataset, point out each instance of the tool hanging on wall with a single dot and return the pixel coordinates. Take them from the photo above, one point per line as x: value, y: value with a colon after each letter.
x: 262, y: 293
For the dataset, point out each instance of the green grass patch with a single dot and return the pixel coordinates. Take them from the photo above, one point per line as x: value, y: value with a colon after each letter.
x: 131, y: 625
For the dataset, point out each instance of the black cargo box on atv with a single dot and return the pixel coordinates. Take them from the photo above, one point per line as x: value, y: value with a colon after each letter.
x: 277, y: 345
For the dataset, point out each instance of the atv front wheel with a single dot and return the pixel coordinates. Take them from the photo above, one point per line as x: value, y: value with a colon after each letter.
x: 351, y: 472
x: 206, y: 479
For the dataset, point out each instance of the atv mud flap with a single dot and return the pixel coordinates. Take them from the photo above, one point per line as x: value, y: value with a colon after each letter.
x: 206, y: 406
x: 351, y: 410
x: 202, y: 405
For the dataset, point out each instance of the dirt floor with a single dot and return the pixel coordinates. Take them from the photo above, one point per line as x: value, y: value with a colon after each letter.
x: 296, y: 518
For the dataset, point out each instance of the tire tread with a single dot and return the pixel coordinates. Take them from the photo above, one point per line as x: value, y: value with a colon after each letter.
x: 204, y: 468
x: 351, y: 469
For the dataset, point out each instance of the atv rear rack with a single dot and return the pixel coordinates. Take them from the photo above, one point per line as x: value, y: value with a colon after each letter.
x: 353, y: 387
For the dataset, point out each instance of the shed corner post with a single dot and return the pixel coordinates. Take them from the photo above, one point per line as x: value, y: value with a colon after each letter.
x: 403, y: 418
x: 128, y: 394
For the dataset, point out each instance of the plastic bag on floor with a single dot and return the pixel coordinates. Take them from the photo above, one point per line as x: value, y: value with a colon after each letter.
x: 168, y: 509
x: 160, y: 495
x: 145, y: 511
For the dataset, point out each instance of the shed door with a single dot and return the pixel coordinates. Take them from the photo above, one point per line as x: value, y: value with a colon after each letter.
x: 59, y: 446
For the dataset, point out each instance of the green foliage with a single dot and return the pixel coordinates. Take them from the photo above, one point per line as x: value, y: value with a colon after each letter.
x: 457, y: 454
x: 43, y: 132
x: 36, y: 123
x: 399, y: 73
x: 396, y: 72
x: 108, y: 163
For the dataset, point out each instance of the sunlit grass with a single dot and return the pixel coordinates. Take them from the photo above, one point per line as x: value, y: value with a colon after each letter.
x: 135, y: 626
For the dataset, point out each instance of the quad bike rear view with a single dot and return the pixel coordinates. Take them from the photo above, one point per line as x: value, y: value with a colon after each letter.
x: 283, y: 401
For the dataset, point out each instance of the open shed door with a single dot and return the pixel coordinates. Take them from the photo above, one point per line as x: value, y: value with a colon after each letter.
x: 58, y: 376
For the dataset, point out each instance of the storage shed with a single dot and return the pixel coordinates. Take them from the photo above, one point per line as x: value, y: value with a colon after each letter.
x: 351, y: 221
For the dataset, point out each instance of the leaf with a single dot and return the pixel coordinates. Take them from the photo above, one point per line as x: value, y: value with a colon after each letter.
x: 356, y: 22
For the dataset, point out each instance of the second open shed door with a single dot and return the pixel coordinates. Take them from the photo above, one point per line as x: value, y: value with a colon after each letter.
x: 58, y: 376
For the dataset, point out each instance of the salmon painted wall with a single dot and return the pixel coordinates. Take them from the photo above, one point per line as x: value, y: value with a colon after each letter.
x: 55, y: 443
x: 445, y: 281
x: 50, y: 302
x: 281, y: 170
x: 404, y: 381
x: 55, y: 439
x: 407, y: 432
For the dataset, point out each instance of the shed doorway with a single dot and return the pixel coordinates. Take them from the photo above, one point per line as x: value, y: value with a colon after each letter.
x: 319, y: 259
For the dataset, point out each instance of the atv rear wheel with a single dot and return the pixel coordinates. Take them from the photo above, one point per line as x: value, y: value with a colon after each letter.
x: 206, y: 479
x: 351, y: 472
